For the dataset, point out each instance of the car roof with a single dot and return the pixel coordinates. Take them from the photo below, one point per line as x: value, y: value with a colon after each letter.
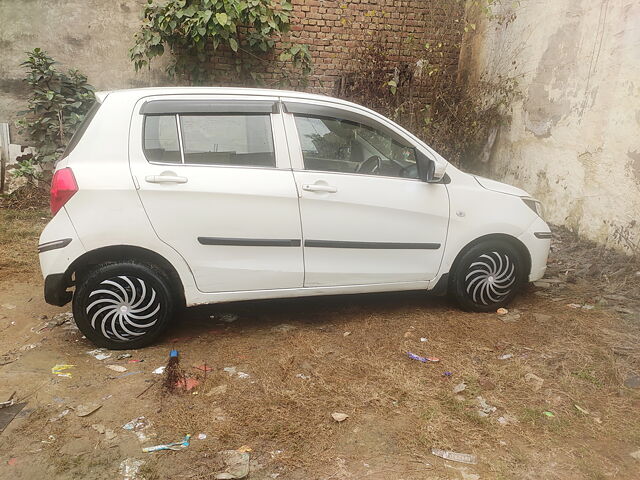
x: 263, y: 92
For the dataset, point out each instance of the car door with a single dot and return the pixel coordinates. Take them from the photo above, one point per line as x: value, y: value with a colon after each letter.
x: 366, y: 217
x: 214, y: 177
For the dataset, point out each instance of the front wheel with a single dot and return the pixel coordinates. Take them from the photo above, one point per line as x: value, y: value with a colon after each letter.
x: 487, y: 276
x: 123, y: 305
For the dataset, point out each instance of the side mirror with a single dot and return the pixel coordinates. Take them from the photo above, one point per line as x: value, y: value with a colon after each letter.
x: 426, y: 168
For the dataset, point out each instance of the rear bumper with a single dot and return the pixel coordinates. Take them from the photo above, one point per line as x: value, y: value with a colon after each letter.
x: 55, y: 289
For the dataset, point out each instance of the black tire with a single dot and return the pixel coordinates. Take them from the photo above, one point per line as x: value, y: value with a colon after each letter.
x: 123, y: 305
x: 487, y: 276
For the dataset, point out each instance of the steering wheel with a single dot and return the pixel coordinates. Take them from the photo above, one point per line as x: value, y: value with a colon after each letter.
x: 371, y: 165
x: 410, y: 171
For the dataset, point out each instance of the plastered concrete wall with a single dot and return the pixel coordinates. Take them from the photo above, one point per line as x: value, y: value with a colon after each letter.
x: 93, y: 36
x: 573, y: 138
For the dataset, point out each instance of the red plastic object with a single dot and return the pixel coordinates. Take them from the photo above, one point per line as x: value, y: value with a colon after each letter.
x: 63, y: 187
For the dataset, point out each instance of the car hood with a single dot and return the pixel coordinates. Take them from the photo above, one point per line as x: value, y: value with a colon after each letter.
x: 500, y: 187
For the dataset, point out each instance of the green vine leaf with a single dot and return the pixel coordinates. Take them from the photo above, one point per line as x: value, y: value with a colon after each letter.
x: 222, y: 18
x: 251, y: 29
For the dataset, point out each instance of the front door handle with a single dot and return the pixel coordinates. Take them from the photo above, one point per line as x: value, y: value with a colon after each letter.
x: 316, y: 187
x: 165, y: 179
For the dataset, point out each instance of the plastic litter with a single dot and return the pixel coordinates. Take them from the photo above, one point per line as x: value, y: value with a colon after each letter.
x: 88, y: 409
x: 59, y: 370
x: 459, y: 387
x: 117, y: 368
x: 173, y: 375
x: 506, y: 356
x: 202, y: 436
x: 236, y: 464
x: 234, y: 371
x: 99, y: 354
x: 138, y: 426
x: 502, y: 311
x: 128, y: 374
x: 339, y: 417
x: 187, y: 383
x: 159, y: 370
x: 228, y: 317
x: 447, y: 374
x: 419, y: 358
x: 12, y: 462
x: 455, y: 457
x: 181, y: 445
x: 581, y: 410
x: 424, y: 339
x: 130, y: 468
x: 485, y: 409
x: 303, y: 376
x: 8, y: 414
x: 549, y: 414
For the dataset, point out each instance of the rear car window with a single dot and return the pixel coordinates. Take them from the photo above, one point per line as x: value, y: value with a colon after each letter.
x: 81, y: 129
x: 244, y: 140
x: 215, y: 139
x: 161, y: 143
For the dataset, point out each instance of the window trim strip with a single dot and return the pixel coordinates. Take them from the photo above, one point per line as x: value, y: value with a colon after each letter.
x: 179, y: 127
x: 203, y: 107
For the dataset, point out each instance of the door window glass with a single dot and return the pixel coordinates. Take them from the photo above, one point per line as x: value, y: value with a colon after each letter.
x: 244, y: 140
x: 161, y: 139
x: 335, y: 145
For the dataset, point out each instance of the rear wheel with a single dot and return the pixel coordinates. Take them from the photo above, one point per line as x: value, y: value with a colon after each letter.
x: 123, y: 305
x: 487, y: 276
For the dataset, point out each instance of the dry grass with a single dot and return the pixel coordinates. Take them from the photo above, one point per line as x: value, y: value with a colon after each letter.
x: 398, y: 408
x: 19, y: 232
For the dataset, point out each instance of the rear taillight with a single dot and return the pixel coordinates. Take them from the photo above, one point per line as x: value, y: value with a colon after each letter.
x: 63, y: 187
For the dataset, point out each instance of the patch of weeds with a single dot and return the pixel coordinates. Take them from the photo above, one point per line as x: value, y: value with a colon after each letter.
x: 530, y: 415
x: 148, y: 472
x: 587, y: 376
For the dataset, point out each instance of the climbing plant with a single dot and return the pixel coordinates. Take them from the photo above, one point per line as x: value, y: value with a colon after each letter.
x: 58, y: 102
x: 205, y: 36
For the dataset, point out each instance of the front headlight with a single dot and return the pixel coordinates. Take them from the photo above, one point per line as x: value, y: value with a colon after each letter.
x: 533, y: 204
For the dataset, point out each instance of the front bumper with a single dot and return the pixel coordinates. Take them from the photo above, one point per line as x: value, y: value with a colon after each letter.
x: 538, y: 247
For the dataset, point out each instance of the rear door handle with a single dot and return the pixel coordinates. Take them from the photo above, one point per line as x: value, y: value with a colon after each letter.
x: 319, y: 188
x: 165, y: 179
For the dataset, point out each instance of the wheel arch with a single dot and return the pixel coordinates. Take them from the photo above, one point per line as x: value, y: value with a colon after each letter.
x: 521, y: 248
x: 116, y: 253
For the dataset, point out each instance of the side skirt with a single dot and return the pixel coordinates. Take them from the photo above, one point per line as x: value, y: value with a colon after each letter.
x: 200, y: 298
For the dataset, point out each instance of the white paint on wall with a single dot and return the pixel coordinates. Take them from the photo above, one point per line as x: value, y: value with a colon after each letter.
x: 573, y: 139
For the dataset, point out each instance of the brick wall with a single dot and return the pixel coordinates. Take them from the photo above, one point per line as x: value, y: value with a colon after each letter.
x: 337, y: 31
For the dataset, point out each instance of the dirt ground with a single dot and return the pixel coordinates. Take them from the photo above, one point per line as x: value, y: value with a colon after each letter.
x: 298, y: 361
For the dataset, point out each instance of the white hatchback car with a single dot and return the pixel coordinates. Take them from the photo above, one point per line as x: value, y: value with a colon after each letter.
x: 187, y: 196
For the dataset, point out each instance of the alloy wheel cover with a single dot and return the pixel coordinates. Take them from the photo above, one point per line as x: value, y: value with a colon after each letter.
x: 490, y: 278
x: 123, y: 308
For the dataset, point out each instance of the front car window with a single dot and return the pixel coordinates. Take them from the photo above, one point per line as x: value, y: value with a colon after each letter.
x: 336, y: 145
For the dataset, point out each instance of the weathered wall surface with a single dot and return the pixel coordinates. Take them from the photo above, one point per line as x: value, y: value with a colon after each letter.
x: 573, y: 139
x: 93, y: 36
